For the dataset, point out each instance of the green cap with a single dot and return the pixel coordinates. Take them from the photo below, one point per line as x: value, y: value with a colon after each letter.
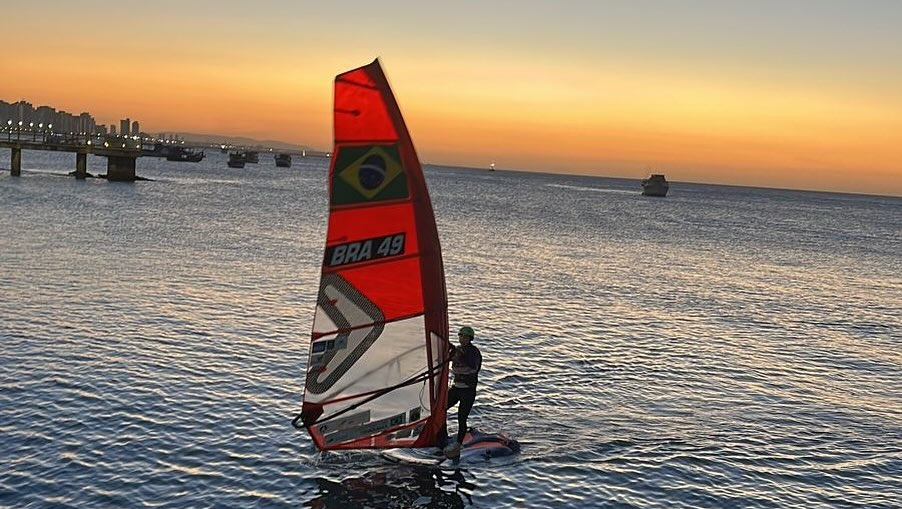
x: 466, y: 331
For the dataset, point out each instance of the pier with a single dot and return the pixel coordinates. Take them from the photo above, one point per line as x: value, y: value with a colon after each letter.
x: 121, y: 152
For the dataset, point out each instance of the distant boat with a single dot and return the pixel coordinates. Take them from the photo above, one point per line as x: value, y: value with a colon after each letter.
x: 283, y: 160
x: 655, y: 185
x: 492, y: 166
x: 184, y: 155
x: 252, y: 156
x: 237, y: 159
x: 158, y: 150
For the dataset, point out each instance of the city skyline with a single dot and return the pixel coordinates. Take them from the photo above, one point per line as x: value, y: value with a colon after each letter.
x: 24, y: 112
x: 792, y: 96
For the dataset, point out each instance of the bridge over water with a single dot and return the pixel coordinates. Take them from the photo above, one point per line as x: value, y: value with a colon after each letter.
x: 121, y: 153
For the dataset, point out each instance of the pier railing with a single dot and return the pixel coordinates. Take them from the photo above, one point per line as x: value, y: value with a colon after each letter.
x: 120, y: 151
x: 48, y: 140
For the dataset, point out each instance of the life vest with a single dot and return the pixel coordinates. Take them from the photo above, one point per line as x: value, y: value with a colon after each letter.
x: 465, y: 365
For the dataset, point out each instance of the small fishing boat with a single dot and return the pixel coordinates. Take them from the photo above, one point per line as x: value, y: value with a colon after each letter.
x: 655, y: 185
x: 237, y: 159
x: 283, y: 160
x: 184, y: 155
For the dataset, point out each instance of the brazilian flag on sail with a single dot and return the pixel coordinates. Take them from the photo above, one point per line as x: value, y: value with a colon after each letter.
x: 368, y: 173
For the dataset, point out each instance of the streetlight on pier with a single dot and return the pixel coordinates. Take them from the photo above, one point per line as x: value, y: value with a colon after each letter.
x: 19, y: 131
x: 9, y: 130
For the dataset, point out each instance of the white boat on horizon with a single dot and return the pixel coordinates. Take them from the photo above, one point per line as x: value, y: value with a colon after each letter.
x: 655, y: 185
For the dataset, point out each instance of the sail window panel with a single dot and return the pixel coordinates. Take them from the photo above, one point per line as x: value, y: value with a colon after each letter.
x: 398, y: 354
x: 439, y: 348
x: 322, y: 324
x: 439, y: 352
x: 386, y: 413
x: 352, y: 308
x: 364, y: 430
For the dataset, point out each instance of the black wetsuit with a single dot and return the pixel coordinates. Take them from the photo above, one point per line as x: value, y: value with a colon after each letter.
x: 466, y: 358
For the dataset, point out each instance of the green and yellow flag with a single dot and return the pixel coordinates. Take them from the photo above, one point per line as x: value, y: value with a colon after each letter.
x: 368, y: 173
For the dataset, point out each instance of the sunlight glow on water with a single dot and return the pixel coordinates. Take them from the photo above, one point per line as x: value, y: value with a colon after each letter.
x: 721, y: 347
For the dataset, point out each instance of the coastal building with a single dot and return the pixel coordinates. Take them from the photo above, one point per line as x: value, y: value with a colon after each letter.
x: 123, y: 126
x: 24, y: 111
x: 46, y: 115
x: 86, y: 123
x: 62, y: 121
x: 136, y: 128
x: 112, y: 129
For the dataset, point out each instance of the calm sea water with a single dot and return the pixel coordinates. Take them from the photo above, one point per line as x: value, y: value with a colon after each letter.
x: 722, y: 347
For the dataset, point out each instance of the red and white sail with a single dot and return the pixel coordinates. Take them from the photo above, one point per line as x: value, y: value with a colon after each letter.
x: 377, y: 372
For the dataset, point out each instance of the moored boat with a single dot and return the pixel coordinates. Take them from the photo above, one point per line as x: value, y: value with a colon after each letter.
x: 283, y: 160
x: 655, y: 185
x: 157, y: 150
x: 237, y: 159
x: 184, y: 155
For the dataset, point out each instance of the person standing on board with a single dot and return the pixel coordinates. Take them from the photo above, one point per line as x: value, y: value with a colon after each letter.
x: 466, y: 360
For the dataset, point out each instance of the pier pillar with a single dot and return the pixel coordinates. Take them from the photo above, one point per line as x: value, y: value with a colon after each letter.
x: 120, y: 168
x: 15, y: 162
x: 81, y: 165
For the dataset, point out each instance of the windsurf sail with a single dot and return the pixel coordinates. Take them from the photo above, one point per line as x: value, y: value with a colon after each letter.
x: 378, y: 366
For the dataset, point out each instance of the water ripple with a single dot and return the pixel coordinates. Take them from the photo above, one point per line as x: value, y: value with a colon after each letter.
x: 724, y: 347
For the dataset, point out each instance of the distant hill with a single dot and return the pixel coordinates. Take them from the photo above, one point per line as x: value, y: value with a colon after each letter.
x: 240, y: 141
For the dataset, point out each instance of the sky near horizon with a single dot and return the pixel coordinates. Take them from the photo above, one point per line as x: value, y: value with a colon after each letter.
x: 804, y: 94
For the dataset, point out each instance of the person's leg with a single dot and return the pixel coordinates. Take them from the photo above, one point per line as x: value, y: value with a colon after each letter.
x: 467, y: 397
x: 453, y: 398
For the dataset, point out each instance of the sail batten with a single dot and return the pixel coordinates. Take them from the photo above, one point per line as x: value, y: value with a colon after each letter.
x: 377, y: 371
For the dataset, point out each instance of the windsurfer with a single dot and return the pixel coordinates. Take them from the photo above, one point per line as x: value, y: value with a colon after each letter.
x: 466, y: 361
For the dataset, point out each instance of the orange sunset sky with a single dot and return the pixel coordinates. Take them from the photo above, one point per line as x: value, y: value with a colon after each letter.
x: 803, y: 94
